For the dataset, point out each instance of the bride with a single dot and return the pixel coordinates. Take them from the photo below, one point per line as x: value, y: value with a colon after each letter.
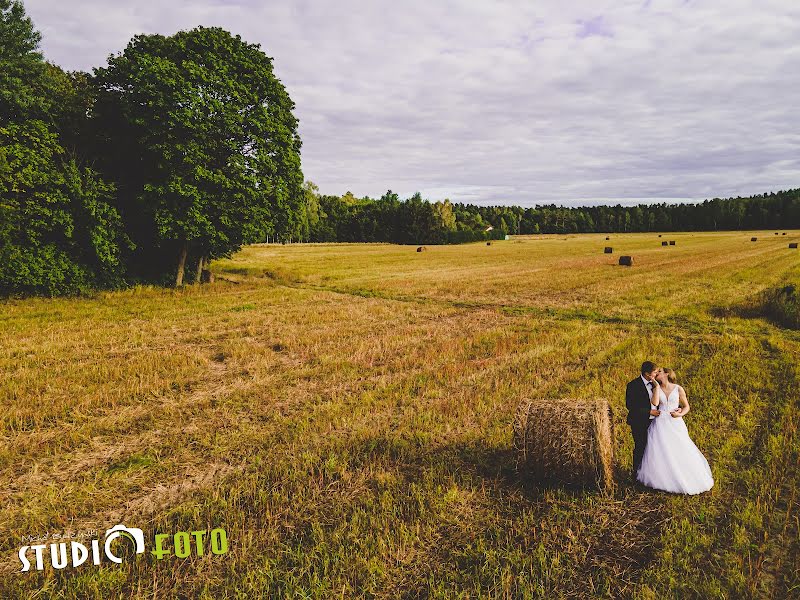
x: 671, y: 460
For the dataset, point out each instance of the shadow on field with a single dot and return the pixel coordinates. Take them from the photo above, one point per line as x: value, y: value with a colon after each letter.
x: 495, y: 465
x: 614, y: 536
x: 621, y: 531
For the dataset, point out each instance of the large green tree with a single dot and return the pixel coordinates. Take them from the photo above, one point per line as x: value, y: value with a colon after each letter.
x: 199, y: 135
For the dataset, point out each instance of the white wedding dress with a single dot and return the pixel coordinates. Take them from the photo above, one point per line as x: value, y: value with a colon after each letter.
x: 671, y: 460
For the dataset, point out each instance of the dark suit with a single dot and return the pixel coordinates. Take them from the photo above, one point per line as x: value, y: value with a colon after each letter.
x: 637, y: 401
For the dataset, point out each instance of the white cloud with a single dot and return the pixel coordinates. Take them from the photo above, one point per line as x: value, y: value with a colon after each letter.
x: 506, y: 101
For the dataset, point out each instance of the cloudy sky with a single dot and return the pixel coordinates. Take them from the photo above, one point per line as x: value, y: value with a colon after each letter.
x: 506, y: 101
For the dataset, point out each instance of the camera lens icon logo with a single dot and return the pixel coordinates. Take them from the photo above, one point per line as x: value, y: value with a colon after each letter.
x: 131, y: 533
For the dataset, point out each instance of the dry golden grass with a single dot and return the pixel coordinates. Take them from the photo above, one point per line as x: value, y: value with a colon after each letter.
x: 345, y: 412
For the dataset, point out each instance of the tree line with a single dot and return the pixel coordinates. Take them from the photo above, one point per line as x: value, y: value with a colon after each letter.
x: 774, y: 210
x: 388, y: 219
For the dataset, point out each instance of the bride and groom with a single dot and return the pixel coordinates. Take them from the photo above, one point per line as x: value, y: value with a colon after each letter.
x: 664, y: 456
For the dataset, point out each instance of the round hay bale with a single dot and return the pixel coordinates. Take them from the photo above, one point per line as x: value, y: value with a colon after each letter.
x: 659, y: 235
x: 421, y: 249
x: 784, y: 233
x: 776, y: 233
x: 488, y: 243
x: 754, y: 239
x: 608, y: 250
x: 608, y: 238
x: 665, y: 243
x: 672, y: 242
x: 793, y: 245
x: 566, y: 441
x: 626, y: 261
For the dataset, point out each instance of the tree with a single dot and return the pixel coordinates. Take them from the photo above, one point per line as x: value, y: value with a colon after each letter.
x: 23, y: 67
x: 200, y: 137
x: 312, y: 211
x: 444, y: 215
x: 58, y: 231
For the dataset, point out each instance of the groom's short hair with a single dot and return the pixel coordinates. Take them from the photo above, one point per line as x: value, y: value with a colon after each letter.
x: 648, y: 367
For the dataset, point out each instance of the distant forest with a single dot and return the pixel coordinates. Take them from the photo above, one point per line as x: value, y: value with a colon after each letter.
x: 415, y: 220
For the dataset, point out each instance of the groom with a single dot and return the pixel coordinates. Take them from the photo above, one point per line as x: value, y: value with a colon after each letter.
x: 640, y: 412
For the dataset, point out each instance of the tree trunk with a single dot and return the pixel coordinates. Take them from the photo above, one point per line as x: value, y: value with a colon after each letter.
x: 181, y: 263
x: 200, y: 264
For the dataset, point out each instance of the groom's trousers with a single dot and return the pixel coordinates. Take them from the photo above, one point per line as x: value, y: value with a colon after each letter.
x: 639, y: 431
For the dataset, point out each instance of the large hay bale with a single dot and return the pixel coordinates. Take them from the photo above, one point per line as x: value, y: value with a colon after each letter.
x: 488, y: 243
x: 421, y: 249
x: 659, y: 235
x: 754, y: 239
x: 784, y: 233
x: 793, y: 245
x: 608, y: 238
x: 626, y: 261
x: 664, y: 243
x: 672, y: 242
x: 566, y: 441
x: 608, y: 250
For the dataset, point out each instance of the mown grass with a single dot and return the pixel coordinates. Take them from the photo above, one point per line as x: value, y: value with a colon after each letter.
x: 344, y: 411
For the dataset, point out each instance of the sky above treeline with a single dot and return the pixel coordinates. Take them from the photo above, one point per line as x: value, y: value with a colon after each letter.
x: 506, y: 102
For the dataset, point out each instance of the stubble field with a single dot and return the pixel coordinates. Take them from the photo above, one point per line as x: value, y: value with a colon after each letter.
x: 345, y: 412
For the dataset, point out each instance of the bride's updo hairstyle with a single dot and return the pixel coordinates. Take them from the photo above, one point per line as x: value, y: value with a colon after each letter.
x: 671, y: 377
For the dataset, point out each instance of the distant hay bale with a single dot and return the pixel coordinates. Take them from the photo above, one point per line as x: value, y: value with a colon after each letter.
x: 608, y: 238
x: 664, y: 243
x: 672, y: 242
x: 206, y: 276
x: 776, y: 233
x: 608, y: 250
x: 626, y: 261
x: 793, y: 245
x: 784, y: 233
x: 754, y: 239
x: 659, y: 235
x: 422, y: 249
x: 566, y: 441
x: 488, y: 243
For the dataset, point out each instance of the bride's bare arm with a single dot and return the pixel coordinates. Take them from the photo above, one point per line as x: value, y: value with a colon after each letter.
x: 654, y: 397
x: 683, y: 403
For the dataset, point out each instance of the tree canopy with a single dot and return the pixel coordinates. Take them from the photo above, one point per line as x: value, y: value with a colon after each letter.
x: 199, y: 134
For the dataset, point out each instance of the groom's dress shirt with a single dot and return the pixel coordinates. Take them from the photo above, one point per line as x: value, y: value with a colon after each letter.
x: 650, y: 386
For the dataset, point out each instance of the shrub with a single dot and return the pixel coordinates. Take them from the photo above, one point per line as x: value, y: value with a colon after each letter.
x: 782, y: 305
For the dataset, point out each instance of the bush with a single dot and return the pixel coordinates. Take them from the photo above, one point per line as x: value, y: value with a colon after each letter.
x: 59, y: 233
x: 466, y: 236
x: 782, y: 305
